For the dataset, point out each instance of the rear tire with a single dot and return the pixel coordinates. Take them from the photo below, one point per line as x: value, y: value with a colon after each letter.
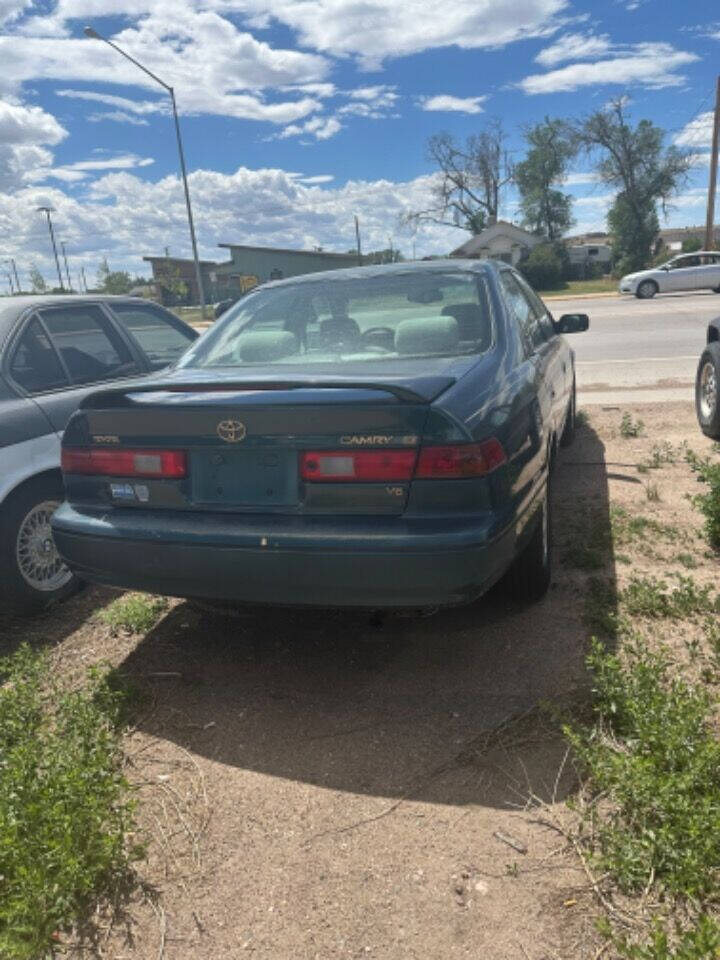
x: 646, y: 290
x: 707, y: 391
x: 568, y: 434
x: 528, y: 579
x: 32, y: 575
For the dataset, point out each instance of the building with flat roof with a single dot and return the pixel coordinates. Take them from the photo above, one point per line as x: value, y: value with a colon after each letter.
x: 276, y: 263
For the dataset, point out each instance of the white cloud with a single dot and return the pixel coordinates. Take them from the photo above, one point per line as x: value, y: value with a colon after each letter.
x: 81, y: 169
x: 653, y: 65
x: 123, y: 103
x: 124, y: 217
x: 574, y: 46
x: 445, y: 102
x: 117, y: 116
x: 376, y: 30
x: 25, y: 134
x: 215, y: 67
x: 578, y: 178
x: 697, y: 133
x: 322, y: 128
x: 10, y: 9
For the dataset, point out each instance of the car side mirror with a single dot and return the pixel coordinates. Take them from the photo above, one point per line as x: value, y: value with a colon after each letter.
x: 572, y: 323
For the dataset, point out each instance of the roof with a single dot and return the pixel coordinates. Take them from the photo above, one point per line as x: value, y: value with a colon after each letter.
x: 207, y: 263
x: 384, y: 269
x: 501, y: 227
x: 305, y: 253
x: 12, y: 307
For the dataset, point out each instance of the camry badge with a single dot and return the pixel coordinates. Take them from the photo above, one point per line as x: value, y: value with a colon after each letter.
x: 231, y: 431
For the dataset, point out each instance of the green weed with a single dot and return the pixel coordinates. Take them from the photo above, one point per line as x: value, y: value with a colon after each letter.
x: 707, y: 503
x: 652, y: 598
x: 687, y: 560
x: 631, y: 428
x: 701, y: 942
x: 652, y: 755
x: 66, y: 815
x: 134, y: 612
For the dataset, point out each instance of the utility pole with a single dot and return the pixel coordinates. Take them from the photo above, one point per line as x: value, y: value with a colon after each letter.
x: 94, y: 35
x: 82, y: 274
x: 67, y: 270
x: 357, y: 237
x: 47, y: 211
x: 10, y: 281
x: 17, y: 281
x: 710, y: 222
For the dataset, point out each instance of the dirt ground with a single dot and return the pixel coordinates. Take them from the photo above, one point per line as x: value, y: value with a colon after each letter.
x: 327, y: 785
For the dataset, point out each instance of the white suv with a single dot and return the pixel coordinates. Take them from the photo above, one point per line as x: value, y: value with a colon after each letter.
x: 689, y: 271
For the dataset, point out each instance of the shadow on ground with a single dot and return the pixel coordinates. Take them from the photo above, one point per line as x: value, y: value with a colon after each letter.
x: 54, y: 625
x: 398, y: 707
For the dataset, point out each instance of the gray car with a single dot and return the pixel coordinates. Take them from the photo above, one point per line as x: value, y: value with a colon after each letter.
x: 688, y: 272
x: 54, y: 350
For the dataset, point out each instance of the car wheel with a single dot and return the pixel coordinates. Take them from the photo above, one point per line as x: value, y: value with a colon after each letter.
x: 32, y: 574
x: 646, y: 290
x: 707, y: 383
x: 528, y: 579
x: 716, y: 289
x: 568, y: 434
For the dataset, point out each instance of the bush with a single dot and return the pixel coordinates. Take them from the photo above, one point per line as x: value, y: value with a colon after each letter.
x: 543, y: 268
x: 65, y: 807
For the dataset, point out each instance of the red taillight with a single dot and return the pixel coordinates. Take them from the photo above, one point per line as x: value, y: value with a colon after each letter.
x: 461, y: 460
x: 358, y: 465
x: 170, y: 464
x: 388, y: 466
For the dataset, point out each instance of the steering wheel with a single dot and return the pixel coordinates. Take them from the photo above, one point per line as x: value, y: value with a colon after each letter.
x: 384, y: 333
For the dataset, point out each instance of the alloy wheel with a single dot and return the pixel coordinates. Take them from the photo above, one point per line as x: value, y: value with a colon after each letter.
x: 37, y: 558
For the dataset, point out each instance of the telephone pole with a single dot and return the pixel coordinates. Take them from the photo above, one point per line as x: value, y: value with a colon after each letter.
x: 710, y: 222
x: 357, y: 236
x: 47, y: 211
x: 67, y: 271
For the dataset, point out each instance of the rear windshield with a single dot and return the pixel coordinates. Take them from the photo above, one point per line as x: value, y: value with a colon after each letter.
x: 336, y: 320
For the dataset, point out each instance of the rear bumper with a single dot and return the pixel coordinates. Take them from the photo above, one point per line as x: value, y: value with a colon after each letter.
x: 383, y: 562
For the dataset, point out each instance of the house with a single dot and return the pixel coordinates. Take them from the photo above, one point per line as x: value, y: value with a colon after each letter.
x: 176, y: 281
x: 275, y: 263
x: 672, y: 239
x: 500, y: 241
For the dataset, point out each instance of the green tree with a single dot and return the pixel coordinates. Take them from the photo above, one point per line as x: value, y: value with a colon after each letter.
x: 113, y: 281
x: 173, y: 288
x: 470, y: 179
x: 37, y: 280
x: 543, y: 269
x: 546, y: 210
x: 691, y: 244
x: 645, y: 173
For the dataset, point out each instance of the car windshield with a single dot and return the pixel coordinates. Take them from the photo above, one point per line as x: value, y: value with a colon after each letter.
x: 341, y: 319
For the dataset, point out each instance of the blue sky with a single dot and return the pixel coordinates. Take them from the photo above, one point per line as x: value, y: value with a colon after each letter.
x: 298, y: 115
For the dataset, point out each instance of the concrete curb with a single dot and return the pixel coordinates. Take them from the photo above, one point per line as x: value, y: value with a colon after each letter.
x: 581, y: 296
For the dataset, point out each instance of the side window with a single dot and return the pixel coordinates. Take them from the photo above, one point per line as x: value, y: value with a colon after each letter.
x: 35, y: 364
x: 89, y: 348
x: 160, y: 339
x: 522, y: 310
x: 539, y: 308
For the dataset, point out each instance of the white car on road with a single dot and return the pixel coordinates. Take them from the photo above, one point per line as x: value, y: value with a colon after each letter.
x: 689, y: 271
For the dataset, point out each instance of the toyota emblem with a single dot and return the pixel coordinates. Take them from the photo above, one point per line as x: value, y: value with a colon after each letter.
x: 231, y: 431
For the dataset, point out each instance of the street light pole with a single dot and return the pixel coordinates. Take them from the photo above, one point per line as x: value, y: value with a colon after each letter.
x: 17, y: 281
x: 47, y: 211
x: 67, y: 271
x: 94, y: 35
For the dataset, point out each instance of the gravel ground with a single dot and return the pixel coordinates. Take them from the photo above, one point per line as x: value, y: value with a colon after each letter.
x: 329, y: 785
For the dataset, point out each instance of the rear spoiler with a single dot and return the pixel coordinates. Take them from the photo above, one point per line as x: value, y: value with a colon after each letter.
x: 109, y: 399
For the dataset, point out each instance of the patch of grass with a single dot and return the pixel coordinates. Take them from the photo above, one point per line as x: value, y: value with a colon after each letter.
x: 652, y: 756
x: 707, y: 503
x: 652, y: 493
x: 660, y: 455
x: 630, y: 528
x: 700, y: 942
x: 573, y: 287
x: 630, y: 428
x: 601, y: 605
x: 134, y: 612
x: 582, y: 419
x: 66, y: 814
x: 687, y: 560
x: 653, y: 599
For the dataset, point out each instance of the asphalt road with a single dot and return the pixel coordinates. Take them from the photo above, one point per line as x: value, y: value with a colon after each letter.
x: 639, y: 349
